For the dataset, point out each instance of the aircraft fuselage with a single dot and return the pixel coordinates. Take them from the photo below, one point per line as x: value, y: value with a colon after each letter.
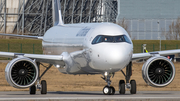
x: 89, y: 48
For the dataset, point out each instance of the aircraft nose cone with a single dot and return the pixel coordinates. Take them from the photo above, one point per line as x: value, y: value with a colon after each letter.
x: 115, y: 56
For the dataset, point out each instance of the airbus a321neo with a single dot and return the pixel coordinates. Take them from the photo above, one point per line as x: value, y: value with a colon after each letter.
x: 86, y: 48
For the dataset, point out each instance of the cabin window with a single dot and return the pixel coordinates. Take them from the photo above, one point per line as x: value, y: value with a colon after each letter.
x: 111, y: 39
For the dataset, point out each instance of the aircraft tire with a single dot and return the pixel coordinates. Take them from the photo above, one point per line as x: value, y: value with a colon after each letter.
x: 122, y: 87
x: 43, y: 87
x: 32, y: 89
x: 133, y: 87
x: 112, y: 90
x: 107, y: 90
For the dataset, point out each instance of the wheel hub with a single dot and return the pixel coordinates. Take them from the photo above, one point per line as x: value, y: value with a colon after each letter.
x: 106, y: 90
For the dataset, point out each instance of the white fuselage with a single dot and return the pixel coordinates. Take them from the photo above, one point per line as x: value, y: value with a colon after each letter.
x: 87, y: 58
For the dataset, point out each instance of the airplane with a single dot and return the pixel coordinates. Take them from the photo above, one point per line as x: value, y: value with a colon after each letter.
x: 86, y: 48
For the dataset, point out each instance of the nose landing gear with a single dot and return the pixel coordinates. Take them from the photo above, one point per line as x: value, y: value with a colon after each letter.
x: 108, y: 90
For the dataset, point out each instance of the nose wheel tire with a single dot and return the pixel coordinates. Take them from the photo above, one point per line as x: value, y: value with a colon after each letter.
x: 122, y: 87
x: 108, y: 90
x: 32, y: 89
x: 133, y: 87
x: 43, y: 87
x: 112, y: 90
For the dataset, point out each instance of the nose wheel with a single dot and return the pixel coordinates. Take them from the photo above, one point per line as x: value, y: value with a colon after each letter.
x: 108, y: 90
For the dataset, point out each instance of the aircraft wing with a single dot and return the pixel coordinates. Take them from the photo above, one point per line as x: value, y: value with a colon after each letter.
x: 150, y: 54
x: 23, y: 36
x: 52, y: 59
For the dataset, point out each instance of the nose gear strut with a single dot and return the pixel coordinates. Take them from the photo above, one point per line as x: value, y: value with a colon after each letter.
x: 108, y: 89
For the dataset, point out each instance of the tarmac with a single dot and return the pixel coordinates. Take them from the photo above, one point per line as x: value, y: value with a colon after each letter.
x: 90, y: 96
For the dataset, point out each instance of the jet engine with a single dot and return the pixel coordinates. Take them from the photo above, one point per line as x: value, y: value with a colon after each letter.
x: 21, y: 72
x: 158, y: 71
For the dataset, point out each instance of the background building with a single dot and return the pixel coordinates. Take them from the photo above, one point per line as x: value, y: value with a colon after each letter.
x: 145, y: 19
x: 35, y: 16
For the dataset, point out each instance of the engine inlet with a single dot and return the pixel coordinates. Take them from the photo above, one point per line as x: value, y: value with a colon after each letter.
x: 23, y: 73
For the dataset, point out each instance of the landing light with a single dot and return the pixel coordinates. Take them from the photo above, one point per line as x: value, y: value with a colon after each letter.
x: 57, y: 66
x: 106, y: 73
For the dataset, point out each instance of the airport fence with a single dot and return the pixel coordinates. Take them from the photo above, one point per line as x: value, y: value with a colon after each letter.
x: 154, y: 47
x: 20, y: 48
x: 37, y: 48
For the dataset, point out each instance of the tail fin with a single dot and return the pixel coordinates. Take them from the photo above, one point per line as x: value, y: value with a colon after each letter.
x: 57, y: 17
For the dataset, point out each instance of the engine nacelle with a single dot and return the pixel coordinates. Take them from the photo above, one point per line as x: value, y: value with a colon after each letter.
x: 21, y: 72
x: 158, y: 71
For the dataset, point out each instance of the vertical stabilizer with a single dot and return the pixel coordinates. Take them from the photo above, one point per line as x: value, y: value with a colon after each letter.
x: 57, y: 17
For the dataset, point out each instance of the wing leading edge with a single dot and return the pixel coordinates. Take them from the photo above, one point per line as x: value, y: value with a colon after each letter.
x: 51, y: 59
x: 150, y: 54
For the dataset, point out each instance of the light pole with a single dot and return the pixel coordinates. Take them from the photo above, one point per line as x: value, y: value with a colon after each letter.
x: 159, y: 37
x: 159, y: 43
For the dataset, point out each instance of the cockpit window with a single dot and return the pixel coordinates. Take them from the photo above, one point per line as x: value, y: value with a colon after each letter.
x: 108, y: 39
x: 114, y: 39
x: 127, y: 39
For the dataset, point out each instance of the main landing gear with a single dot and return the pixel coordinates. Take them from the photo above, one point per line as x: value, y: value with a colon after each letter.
x: 41, y: 86
x: 109, y: 90
x: 132, y: 85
